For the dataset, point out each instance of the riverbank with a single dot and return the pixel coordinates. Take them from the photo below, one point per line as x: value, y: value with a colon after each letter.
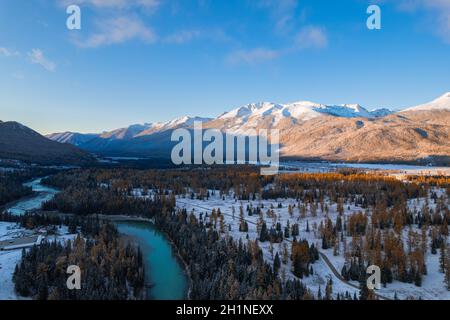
x: 15, y: 202
x: 186, y: 266
x: 166, y: 271
x: 122, y: 218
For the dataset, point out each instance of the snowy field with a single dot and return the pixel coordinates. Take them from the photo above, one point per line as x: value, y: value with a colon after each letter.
x: 8, y: 261
x: 321, y: 167
x: 321, y: 271
x: 432, y: 286
x: 12, y: 231
x: 9, y: 258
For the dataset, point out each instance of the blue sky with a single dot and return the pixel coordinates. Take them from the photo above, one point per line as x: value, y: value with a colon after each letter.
x: 137, y: 61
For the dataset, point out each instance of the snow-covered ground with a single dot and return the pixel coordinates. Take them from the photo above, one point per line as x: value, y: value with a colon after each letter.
x: 12, y: 231
x: 398, y: 170
x: 321, y: 271
x: 8, y: 261
x: 432, y: 285
x: 9, y: 258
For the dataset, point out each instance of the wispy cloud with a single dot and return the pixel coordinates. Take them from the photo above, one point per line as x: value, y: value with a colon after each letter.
x: 288, y: 17
x: 411, y: 5
x: 129, y: 23
x: 122, y: 21
x: 188, y: 35
x: 252, y: 56
x: 8, y: 53
x: 183, y: 36
x: 116, y: 31
x: 283, y: 12
x: 311, y: 37
x: 37, y: 57
x: 437, y: 10
x: 126, y: 24
x: 115, y: 4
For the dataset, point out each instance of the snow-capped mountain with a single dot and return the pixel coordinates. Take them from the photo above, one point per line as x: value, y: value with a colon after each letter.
x: 301, y: 110
x: 139, y: 130
x: 185, y: 121
x: 250, y: 116
x: 132, y: 140
x: 125, y: 133
x: 283, y: 116
x: 381, y: 112
x: 72, y: 137
x: 441, y: 103
x: 309, y: 130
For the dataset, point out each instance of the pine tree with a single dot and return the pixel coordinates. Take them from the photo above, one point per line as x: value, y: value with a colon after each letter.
x: 329, y: 290
x: 363, y: 291
x: 276, y: 263
x: 264, y: 234
x: 447, y: 270
x: 443, y: 257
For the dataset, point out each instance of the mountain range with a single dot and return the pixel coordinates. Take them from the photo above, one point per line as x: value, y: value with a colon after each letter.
x: 308, y: 130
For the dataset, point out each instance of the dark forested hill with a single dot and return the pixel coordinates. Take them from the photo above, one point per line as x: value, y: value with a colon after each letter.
x: 22, y: 143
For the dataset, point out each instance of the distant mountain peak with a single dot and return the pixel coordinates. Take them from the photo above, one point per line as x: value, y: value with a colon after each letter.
x: 306, y: 103
x: 185, y: 120
x: 445, y: 95
x: 381, y: 112
x: 443, y: 98
x: 440, y: 103
x: 298, y: 110
x: 247, y: 110
x: 355, y: 107
x: 71, y: 137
